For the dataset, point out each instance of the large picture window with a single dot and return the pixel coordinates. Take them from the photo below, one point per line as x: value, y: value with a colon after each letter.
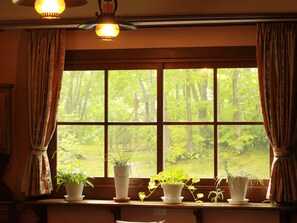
x: 195, y: 114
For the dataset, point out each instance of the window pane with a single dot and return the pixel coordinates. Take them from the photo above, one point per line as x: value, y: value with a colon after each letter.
x: 82, y: 96
x: 244, y: 147
x: 141, y: 141
x: 190, y: 148
x: 132, y: 95
x: 238, y: 95
x: 84, y: 144
x: 188, y: 94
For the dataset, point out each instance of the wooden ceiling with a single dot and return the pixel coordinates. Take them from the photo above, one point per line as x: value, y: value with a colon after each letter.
x: 152, y: 13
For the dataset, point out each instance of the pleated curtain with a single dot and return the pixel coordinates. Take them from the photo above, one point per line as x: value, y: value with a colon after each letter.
x: 46, y: 53
x: 277, y: 66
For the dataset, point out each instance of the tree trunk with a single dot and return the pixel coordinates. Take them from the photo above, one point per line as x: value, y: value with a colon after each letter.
x: 68, y: 103
x: 136, y: 106
x: 85, y: 101
x: 168, y: 141
x: 189, y: 145
x: 146, y: 100
x: 73, y: 100
x: 202, y: 111
x: 236, y: 114
x: 202, y: 86
x: 152, y: 98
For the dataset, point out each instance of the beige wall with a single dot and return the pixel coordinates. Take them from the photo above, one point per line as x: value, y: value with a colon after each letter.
x: 13, y: 69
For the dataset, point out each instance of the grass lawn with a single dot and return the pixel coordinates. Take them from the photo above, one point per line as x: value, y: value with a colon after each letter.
x: 144, y: 163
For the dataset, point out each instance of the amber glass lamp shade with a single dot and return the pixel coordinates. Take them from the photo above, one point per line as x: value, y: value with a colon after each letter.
x: 107, y: 31
x: 49, y: 9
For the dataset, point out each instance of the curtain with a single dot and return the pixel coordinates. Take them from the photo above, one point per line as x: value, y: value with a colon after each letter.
x: 277, y: 67
x: 46, y: 51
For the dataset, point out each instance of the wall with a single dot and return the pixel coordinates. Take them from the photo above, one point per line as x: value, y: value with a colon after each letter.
x: 170, y: 37
x: 13, y: 69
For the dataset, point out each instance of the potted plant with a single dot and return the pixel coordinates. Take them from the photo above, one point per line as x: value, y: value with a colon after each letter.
x: 120, y: 162
x: 172, y: 181
x: 216, y: 195
x: 74, y: 180
x: 238, y: 184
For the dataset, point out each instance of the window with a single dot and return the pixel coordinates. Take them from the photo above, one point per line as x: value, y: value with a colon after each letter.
x: 194, y: 109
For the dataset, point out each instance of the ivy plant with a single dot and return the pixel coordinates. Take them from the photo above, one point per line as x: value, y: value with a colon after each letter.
x: 172, y: 176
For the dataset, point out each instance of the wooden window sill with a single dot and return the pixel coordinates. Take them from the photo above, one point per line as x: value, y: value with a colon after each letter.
x: 157, y: 204
x: 40, y: 206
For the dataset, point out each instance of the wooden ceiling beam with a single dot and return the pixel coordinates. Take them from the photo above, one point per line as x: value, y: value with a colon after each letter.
x: 68, y: 3
x: 157, y: 21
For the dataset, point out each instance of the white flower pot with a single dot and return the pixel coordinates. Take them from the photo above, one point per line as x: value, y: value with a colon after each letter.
x: 74, y: 192
x: 238, y: 188
x: 121, y: 181
x: 172, y: 193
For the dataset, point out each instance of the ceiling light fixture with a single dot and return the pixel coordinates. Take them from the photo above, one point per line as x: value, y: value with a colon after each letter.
x: 50, y: 9
x: 107, y: 27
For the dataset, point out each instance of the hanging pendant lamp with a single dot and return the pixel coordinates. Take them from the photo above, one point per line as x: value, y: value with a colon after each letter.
x: 50, y: 9
x: 107, y: 27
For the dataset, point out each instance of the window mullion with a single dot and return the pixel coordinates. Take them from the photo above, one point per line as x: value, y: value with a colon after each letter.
x: 215, y: 101
x: 160, y: 122
x: 105, y: 122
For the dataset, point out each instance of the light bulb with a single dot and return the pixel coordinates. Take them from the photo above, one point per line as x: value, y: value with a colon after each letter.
x: 107, y: 31
x: 49, y: 9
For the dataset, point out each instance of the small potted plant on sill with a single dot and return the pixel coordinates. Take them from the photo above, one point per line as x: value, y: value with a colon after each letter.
x: 120, y: 162
x: 74, y: 180
x: 172, y: 181
x: 216, y: 195
x: 238, y: 184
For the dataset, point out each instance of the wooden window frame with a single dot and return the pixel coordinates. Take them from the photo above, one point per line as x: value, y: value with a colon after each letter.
x: 161, y: 58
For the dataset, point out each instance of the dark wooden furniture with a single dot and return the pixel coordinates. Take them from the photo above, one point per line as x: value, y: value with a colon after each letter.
x: 5, y: 136
x: 40, y: 207
x: 7, y: 206
x: 8, y: 212
x: 5, y: 118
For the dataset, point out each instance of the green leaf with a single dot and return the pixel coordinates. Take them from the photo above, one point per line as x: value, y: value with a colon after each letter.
x: 141, y: 195
x: 195, y: 180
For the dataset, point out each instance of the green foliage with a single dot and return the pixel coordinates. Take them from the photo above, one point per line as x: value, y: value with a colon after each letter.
x: 241, y: 174
x: 120, y: 158
x: 239, y: 100
x: 67, y: 152
x: 132, y: 95
x: 188, y: 96
x: 72, y: 175
x: 216, y: 195
x: 176, y: 153
x: 82, y: 96
x: 172, y: 176
x: 250, y: 177
x: 271, y: 202
x: 196, y: 149
x: 71, y: 171
x: 190, y: 92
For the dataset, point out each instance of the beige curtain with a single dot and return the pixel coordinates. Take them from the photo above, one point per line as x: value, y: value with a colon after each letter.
x: 46, y: 51
x: 277, y: 65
